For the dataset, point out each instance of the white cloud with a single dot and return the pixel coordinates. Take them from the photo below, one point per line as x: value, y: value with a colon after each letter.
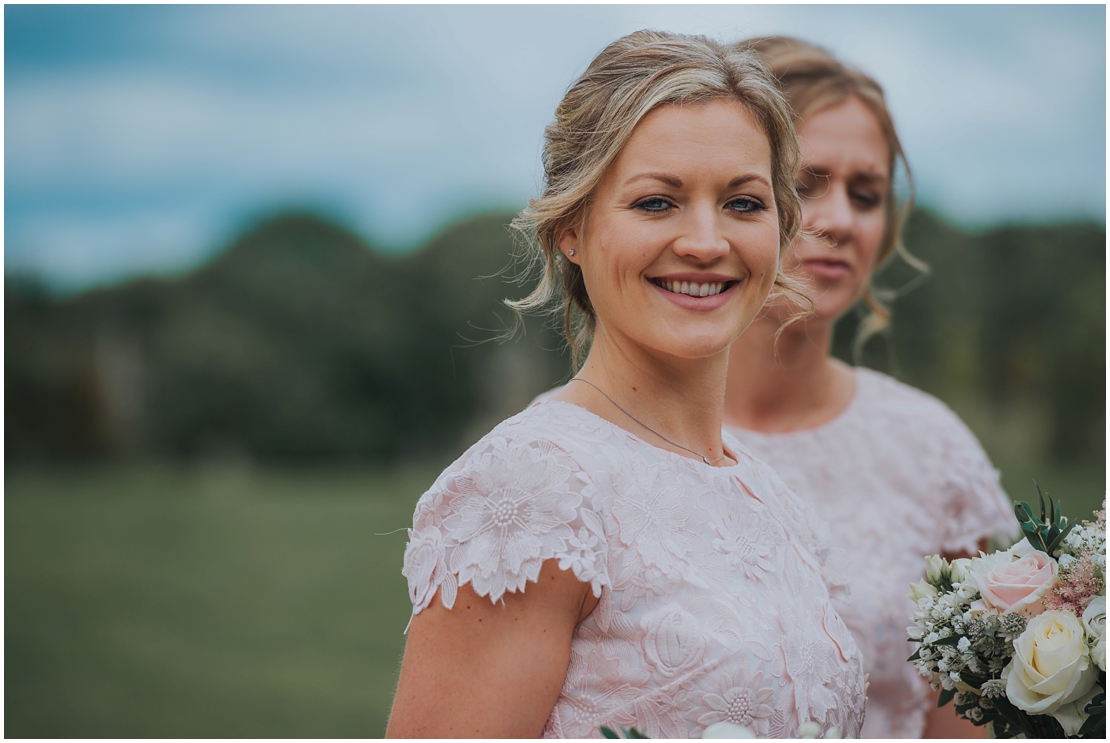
x: 402, y: 116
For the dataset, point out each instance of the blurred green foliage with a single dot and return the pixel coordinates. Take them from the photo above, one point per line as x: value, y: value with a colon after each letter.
x: 300, y: 343
x: 1009, y: 330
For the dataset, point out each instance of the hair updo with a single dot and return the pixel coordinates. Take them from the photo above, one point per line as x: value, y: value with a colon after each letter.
x: 812, y: 80
x: 629, y: 79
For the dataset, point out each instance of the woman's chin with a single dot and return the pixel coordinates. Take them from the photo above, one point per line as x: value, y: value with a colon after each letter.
x: 694, y: 345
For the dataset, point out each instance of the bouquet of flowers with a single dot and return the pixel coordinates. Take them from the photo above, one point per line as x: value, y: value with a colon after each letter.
x: 1016, y: 638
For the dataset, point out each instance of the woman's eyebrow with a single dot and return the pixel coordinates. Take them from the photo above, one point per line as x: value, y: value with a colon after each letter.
x: 749, y: 178
x: 670, y: 180
x: 676, y: 182
x: 867, y: 175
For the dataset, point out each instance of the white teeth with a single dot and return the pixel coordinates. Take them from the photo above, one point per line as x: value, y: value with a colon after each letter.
x: 691, y: 288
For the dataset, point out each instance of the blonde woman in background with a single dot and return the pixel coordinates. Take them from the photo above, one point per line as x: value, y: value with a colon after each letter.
x: 610, y: 556
x: 892, y: 473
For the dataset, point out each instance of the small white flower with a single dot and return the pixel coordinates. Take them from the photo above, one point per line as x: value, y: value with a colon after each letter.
x: 994, y: 688
x: 923, y: 593
x: 964, y: 644
x: 809, y: 729
x: 727, y: 731
x: 937, y: 570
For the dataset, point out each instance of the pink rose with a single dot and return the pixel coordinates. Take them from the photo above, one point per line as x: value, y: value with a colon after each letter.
x: 1019, y: 585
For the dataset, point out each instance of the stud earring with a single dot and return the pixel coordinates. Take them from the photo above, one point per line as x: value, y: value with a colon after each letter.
x: 570, y: 252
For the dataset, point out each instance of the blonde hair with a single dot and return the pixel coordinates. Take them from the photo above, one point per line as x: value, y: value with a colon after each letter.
x: 813, y: 80
x: 629, y: 79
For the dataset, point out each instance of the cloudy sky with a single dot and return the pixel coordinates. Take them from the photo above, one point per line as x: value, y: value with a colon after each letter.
x: 141, y: 138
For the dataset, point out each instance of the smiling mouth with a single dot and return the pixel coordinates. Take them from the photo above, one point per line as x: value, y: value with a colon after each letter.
x: 693, y: 289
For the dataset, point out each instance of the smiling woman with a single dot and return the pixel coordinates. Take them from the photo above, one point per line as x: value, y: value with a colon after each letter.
x: 608, y: 556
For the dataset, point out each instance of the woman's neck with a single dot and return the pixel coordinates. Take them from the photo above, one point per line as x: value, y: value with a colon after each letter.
x: 788, y: 384
x: 673, y: 398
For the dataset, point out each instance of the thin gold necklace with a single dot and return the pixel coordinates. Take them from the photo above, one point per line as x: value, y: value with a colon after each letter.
x: 672, y: 443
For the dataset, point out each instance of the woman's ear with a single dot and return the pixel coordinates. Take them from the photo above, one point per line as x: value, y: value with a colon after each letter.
x: 568, y: 245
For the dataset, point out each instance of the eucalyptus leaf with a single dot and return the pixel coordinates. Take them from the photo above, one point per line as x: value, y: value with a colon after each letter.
x: 1023, y: 511
x: 950, y: 640
x: 946, y: 696
x: 1059, y: 538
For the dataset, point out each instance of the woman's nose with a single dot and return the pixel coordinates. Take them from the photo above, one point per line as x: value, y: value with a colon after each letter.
x: 831, y: 216
x: 702, y: 238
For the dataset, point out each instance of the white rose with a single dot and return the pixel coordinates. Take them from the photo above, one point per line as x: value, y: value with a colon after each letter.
x: 1094, y: 620
x: 1051, y: 668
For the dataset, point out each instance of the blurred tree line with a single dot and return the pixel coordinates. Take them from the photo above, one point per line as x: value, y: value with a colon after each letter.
x: 301, y: 343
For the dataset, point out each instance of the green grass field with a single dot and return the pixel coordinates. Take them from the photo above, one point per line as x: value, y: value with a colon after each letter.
x: 160, y: 602
x: 174, y: 602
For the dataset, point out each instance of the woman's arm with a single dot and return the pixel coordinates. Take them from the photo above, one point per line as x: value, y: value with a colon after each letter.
x: 485, y: 670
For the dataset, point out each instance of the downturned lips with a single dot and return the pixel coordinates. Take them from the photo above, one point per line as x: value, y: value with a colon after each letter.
x: 826, y: 268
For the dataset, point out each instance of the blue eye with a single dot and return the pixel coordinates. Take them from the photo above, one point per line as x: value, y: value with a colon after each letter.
x: 654, y: 204
x: 745, y: 205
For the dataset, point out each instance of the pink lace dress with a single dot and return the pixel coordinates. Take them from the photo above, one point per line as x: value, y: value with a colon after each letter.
x: 714, y: 605
x: 897, y: 476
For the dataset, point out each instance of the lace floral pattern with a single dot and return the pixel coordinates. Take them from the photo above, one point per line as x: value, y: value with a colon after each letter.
x: 713, y: 603
x: 900, y: 475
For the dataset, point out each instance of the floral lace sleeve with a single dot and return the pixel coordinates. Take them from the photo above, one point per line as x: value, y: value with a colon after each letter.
x: 974, y: 506
x: 493, y: 518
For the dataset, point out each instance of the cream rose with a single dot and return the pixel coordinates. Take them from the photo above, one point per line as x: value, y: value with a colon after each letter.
x: 1094, y: 621
x: 1017, y: 585
x: 1051, y: 668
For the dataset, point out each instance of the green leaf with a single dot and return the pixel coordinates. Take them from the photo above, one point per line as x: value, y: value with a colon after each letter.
x: 1059, y: 539
x: 1040, y: 495
x: 1095, y: 725
x: 1023, y: 511
x: 632, y: 733
x: 952, y: 639
x: 608, y: 732
x: 916, y: 656
x: 946, y: 696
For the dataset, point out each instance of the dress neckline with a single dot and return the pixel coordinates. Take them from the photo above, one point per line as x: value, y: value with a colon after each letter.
x: 849, y: 412
x: 732, y: 447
